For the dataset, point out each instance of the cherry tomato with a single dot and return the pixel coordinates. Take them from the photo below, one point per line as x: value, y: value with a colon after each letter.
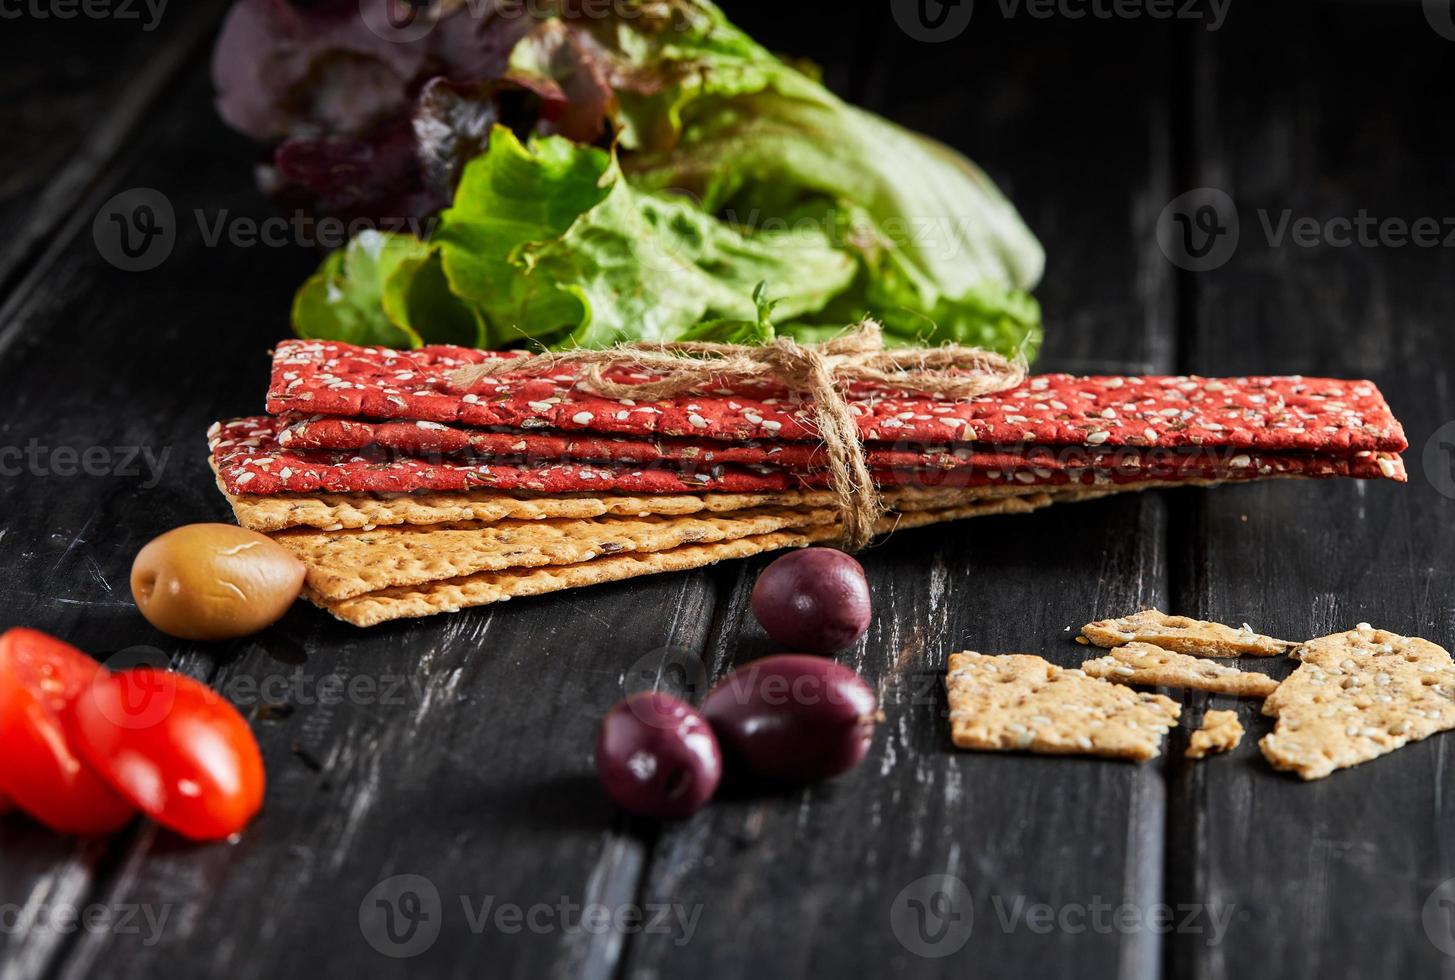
x: 5, y: 806
x: 40, y: 677
x: 175, y: 748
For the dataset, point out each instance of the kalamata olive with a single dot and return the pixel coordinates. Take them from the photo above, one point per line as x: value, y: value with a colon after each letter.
x: 816, y: 599
x: 657, y: 757
x: 214, y: 581
x: 793, y: 717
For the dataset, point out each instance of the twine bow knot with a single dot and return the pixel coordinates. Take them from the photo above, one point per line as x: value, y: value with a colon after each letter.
x: 819, y: 372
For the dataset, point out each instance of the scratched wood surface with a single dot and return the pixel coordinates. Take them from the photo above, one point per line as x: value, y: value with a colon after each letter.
x: 451, y: 758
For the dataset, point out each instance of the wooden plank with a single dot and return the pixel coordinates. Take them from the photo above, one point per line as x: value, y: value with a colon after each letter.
x: 1324, y: 117
x: 812, y: 881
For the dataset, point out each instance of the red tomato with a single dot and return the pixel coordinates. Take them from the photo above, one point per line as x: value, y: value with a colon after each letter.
x: 175, y: 748
x: 39, y: 678
x: 5, y: 806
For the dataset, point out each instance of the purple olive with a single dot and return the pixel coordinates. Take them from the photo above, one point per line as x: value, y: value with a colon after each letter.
x: 793, y: 717
x: 657, y: 757
x: 816, y: 599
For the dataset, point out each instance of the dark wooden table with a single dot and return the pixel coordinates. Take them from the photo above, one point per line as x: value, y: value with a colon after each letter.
x: 457, y: 749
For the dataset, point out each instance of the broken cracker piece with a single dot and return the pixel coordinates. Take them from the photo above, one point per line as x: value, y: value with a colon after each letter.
x: 1356, y: 696
x: 1184, y: 635
x: 1220, y: 732
x: 1144, y: 663
x: 1021, y: 702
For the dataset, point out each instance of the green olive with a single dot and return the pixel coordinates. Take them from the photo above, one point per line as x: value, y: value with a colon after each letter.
x: 214, y: 582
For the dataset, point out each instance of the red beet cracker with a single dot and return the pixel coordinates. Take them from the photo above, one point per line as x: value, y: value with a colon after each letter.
x: 250, y: 460
x: 1273, y: 414
x: 436, y: 440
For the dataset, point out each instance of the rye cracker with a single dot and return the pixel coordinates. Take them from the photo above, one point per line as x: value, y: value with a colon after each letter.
x: 337, y: 511
x: 1143, y: 663
x: 490, y: 587
x: 1356, y: 696
x: 1220, y: 732
x: 1183, y: 635
x: 1021, y: 702
x: 344, y: 564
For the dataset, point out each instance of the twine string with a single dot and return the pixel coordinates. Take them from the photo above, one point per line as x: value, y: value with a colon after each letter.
x: 819, y: 372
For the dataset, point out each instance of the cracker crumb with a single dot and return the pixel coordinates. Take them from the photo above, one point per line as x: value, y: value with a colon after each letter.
x: 1220, y: 732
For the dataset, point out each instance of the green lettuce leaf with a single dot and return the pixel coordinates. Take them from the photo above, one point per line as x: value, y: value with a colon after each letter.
x: 385, y: 289
x: 548, y: 244
x: 344, y: 300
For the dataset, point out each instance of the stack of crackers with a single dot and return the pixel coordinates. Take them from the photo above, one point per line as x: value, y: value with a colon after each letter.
x: 406, y: 493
